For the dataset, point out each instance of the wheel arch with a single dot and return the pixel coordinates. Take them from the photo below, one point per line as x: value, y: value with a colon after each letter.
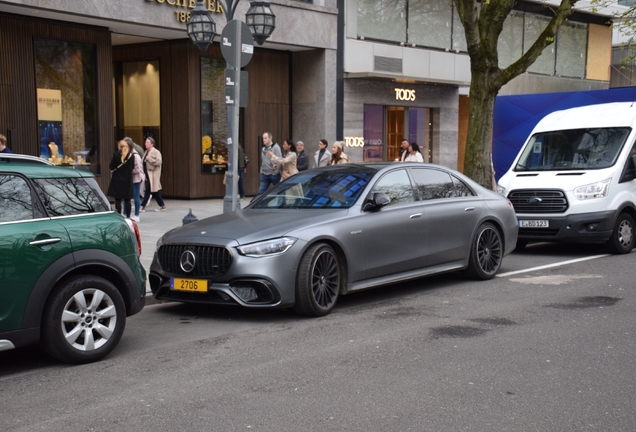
x: 342, y: 259
x: 626, y: 207
x: 94, y: 262
x: 497, y: 224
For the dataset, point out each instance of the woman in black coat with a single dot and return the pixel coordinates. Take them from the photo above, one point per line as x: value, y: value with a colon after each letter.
x: 121, y: 184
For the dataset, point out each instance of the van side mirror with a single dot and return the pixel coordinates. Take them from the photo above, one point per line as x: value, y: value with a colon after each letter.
x: 376, y: 202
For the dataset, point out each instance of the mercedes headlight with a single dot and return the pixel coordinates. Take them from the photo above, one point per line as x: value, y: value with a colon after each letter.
x: 267, y: 247
x: 594, y: 190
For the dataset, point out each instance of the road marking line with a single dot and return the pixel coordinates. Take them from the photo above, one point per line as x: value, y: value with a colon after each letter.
x: 562, y: 263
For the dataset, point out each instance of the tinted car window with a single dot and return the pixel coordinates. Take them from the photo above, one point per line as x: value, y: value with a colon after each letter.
x: 461, y: 188
x: 397, y: 186
x: 68, y: 196
x: 317, y: 189
x: 15, y: 199
x: 433, y: 184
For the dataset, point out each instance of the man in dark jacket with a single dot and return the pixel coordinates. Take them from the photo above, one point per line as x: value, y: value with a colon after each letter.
x: 302, y: 160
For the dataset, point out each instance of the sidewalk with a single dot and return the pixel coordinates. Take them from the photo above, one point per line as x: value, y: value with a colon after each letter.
x: 153, y: 225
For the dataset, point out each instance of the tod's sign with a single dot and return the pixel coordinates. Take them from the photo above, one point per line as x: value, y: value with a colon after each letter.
x: 213, y: 6
x: 404, y: 94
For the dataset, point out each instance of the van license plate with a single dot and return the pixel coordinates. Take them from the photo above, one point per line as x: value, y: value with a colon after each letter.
x: 534, y: 224
x: 197, y: 285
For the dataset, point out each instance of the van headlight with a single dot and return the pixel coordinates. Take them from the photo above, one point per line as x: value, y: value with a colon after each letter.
x: 594, y: 190
x: 501, y: 190
x: 267, y: 247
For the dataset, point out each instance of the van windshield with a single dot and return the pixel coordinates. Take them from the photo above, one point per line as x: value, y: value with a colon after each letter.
x: 573, y: 149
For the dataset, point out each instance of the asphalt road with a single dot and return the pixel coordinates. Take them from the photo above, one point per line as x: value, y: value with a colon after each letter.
x: 550, y: 349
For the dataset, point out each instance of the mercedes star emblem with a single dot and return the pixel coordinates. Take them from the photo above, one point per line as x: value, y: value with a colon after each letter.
x: 187, y: 261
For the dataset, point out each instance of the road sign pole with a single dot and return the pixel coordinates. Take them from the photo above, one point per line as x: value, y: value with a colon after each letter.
x: 231, y: 180
x: 237, y: 49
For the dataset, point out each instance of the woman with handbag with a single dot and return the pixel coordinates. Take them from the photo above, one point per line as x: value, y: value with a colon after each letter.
x: 121, y: 183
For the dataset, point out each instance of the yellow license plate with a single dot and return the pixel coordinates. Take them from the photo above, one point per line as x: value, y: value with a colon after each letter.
x: 198, y: 285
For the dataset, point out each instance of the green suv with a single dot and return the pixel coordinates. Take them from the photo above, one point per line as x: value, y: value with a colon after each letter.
x: 69, y: 266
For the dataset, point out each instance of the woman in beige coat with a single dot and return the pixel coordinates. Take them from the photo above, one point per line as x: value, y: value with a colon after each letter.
x: 152, y: 170
x: 288, y: 161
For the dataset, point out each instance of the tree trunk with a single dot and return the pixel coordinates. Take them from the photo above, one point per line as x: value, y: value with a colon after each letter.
x: 477, y: 161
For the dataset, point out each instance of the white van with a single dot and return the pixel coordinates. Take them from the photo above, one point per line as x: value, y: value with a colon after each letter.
x: 574, y: 179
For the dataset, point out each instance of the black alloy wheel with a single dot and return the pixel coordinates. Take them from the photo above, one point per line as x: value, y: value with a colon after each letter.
x: 486, y: 253
x: 319, y: 280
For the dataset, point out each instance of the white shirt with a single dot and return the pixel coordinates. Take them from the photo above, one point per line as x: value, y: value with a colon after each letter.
x: 415, y: 157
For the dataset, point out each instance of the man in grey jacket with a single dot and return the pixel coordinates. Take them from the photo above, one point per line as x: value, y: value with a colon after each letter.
x: 270, y: 172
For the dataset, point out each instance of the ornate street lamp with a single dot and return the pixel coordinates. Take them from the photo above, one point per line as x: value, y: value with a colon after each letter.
x: 261, y: 20
x: 201, y: 27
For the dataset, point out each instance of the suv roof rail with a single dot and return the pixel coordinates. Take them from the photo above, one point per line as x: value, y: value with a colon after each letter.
x: 13, y: 157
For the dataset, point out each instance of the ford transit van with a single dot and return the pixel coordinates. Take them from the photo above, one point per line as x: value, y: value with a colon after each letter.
x: 574, y: 178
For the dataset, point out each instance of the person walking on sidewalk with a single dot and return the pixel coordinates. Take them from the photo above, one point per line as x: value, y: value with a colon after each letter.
x: 337, y: 156
x: 270, y: 171
x: 288, y: 161
x: 138, y: 176
x: 152, y: 171
x: 121, y: 183
x: 302, y: 160
x: 323, y: 155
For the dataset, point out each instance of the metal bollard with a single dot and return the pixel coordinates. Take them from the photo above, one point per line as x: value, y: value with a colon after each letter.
x: 189, y: 218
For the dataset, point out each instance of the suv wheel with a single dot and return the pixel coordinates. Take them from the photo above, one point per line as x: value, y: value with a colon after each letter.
x: 83, y: 320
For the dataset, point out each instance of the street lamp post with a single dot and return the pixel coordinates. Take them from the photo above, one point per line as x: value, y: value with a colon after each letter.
x: 261, y: 22
x: 201, y: 27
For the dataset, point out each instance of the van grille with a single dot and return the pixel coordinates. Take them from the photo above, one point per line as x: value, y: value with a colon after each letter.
x: 209, y: 260
x: 538, y: 201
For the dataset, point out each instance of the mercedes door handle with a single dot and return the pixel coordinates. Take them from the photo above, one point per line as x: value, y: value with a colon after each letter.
x: 469, y: 209
x: 416, y: 215
x: 45, y: 241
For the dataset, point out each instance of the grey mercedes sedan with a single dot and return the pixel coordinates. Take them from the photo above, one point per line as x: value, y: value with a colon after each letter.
x: 331, y: 231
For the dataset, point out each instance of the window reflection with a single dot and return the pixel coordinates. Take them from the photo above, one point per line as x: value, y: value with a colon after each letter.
x: 461, y: 188
x: 323, y: 189
x: 15, y: 199
x: 433, y: 184
x: 68, y: 196
x: 397, y: 186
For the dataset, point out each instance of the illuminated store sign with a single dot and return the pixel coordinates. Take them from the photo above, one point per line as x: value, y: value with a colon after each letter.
x: 404, y: 94
x: 354, y: 141
x: 184, y: 16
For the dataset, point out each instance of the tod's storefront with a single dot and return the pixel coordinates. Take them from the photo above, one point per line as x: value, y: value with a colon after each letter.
x: 77, y: 76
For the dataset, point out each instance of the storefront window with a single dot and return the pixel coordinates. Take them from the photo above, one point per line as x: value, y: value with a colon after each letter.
x: 140, y: 104
x: 214, y: 151
x: 382, y: 19
x: 67, y: 109
x: 420, y: 131
x: 373, y: 133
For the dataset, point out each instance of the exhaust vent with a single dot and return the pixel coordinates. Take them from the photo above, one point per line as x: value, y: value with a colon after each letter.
x: 387, y: 64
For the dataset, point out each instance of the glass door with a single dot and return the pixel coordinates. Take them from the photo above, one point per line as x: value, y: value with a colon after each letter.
x: 395, y: 131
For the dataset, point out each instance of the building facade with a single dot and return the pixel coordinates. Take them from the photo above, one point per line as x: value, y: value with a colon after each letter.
x: 406, y: 72
x: 77, y: 76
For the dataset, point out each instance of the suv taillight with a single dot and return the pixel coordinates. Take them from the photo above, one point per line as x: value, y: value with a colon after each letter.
x: 134, y: 228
